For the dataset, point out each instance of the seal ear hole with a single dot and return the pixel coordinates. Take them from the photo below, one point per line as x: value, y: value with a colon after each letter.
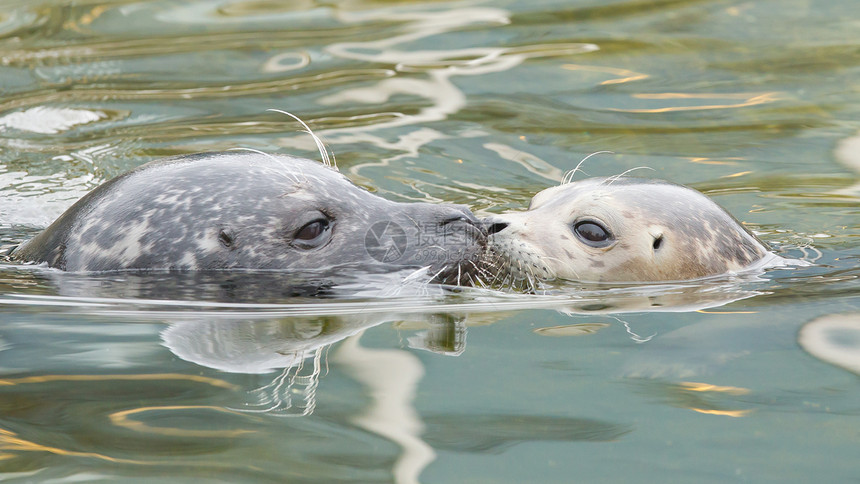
x: 227, y: 239
x: 658, y: 242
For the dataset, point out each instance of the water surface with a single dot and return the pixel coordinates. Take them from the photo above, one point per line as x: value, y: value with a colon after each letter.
x: 481, y: 103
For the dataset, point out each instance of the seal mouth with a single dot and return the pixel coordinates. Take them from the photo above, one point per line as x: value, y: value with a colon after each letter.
x: 509, y: 263
x: 457, y: 259
x: 503, y: 266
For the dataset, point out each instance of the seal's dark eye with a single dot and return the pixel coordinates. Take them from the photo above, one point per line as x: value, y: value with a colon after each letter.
x: 592, y: 233
x: 312, y: 234
x: 312, y: 230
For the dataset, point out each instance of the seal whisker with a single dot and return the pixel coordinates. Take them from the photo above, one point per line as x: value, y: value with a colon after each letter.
x: 568, y: 177
x: 485, y: 272
x: 535, y: 280
x: 417, y: 224
x: 320, y: 146
x: 334, y: 160
x: 416, y: 274
x: 531, y: 283
x: 279, y: 162
x: 526, y: 275
x: 500, y: 263
x: 611, y: 179
x: 480, y: 282
x: 492, y: 269
x: 438, y: 273
x: 478, y: 271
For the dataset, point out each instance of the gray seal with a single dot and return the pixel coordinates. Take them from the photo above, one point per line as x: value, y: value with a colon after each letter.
x: 619, y: 229
x: 249, y: 210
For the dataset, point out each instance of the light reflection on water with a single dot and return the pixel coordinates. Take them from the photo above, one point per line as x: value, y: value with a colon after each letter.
x: 124, y: 377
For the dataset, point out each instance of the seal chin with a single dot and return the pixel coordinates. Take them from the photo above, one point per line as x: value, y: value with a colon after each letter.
x: 461, y: 268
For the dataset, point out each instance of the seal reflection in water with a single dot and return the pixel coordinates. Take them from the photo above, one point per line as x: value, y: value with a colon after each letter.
x: 619, y: 229
x: 250, y: 210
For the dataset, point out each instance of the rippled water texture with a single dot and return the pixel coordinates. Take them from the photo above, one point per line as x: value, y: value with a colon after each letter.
x: 196, y: 378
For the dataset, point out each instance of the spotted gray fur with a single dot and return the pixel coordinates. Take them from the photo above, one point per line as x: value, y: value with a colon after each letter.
x: 240, y: 210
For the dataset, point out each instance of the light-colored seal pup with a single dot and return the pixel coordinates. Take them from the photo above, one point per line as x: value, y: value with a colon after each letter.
x: 249, y: 210
x: 619, y: 229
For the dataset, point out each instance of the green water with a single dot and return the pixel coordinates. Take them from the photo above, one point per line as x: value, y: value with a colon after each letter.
x: 483, y: 103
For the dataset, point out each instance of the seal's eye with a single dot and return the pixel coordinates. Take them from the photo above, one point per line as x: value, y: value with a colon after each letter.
x: 312, y: 230
x: 592, y: 233
x: 312, y: 234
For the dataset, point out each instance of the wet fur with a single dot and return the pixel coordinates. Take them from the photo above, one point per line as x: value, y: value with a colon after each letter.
x: 238, y: 210
x: 697, y: 238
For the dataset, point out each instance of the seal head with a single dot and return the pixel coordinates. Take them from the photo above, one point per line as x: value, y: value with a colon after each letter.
x: 248, y: 210
x: 618, y: 230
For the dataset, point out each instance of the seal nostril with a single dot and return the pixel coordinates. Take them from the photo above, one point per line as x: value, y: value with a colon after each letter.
x: 658, y: 242
x: 496, y: 227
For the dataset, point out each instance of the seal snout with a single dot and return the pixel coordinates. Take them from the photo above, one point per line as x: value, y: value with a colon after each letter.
x: 459, y: 214
x: 454, y: 246
x: 458, y: 219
